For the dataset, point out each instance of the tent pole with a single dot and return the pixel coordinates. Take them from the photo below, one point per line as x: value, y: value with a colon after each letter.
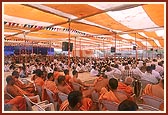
x: 115, y: 47
x: 32, y: 47
x: 136, y: 50
x: 146, y: 49
x: 24, y: 34
x: 103, y: 48
x: 153, y: 50
x: 50, y: 50
x: 69, y: 45
x: 80, y: 49
x: 75, y: 50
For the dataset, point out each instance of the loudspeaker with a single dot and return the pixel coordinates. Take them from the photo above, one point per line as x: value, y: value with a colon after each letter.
x: 134, y: 47
x: 65, y: 46
x: 112, y: 49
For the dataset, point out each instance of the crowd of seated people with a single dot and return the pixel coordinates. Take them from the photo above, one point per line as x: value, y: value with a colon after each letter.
x: 113, y: 81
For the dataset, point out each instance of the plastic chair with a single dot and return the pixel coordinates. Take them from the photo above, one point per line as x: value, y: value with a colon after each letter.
x: 109, y: 105
x: 25, y: 81
x: 144, y: 107
x: 152, y: 101
x: 76, y: 86
x: 39, y: 90
x: 50, y: 94
x: 144, y: 83
x: 95, y: 96
x: 62, y: 96
x: 39, y: 106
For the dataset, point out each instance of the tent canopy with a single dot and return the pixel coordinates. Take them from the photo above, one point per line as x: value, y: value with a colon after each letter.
x: 89, y: 25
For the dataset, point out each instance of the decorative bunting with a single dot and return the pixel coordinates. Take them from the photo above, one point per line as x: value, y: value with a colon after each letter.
x: 49, y: 28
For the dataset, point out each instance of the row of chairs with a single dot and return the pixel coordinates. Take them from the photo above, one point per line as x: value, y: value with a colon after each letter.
x: 150, y: 103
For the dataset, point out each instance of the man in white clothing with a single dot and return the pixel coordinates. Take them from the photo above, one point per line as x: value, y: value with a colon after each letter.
x: 148, y: 75
x: 159, y: 68
x: 136, y: 72
x: 155, y: 73
x: 94, y: 71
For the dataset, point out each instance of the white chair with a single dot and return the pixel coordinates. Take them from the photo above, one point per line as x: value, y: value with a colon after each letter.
x: 144, y: 83
x: 62, y: 96
x: 77, y: 86
x: 144, y: 107
x: 109, y: 105
x: 95, y: 96
x: 25, y: 81
x: 39, y: 90
x: 50, y: 95
x: 39, y: 106
x: 152, y: 101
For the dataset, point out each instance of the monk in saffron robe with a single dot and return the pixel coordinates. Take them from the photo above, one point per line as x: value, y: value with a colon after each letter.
x: 126, y: 86
x: 50, y: 84
x: 63, y: 86
x: 39, y: 80
x: 26, y: 87
x: 14, y: 90
x: 111, y: 93
x: 100, y: 82
x: 156, y: 91
x: 76, y: 102
x: 18, y: 101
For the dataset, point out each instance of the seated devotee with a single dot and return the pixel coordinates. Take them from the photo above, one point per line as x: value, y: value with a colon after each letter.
x: 79, y: 69
x: 76, y: 102
x: 50, y: 84
x: 148, y: 76
x: 155, y: 91
x: 18, y: 102
x: 143, y: 69
x: 26, y: 87
x: 14, y: 90
x: 84, y: 67
x: 127, y: 105
x: 126, y: 86
x: 67, y: 76
x: 56, y: 73
x: 160, y: 68
x: 136, y: 72
x: 63, y: 86
x: 22, y: 72
x: 111, y: 92
x: 109, y: 72
x: 94, y: 72
x: 116, y: 72
x: 77, y: 80
x: 155, y: 73
x: 126, y: 72
x: 10, y: 107
x: 39, y: 81
x: 100, y: 82
x: 86, y: 89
